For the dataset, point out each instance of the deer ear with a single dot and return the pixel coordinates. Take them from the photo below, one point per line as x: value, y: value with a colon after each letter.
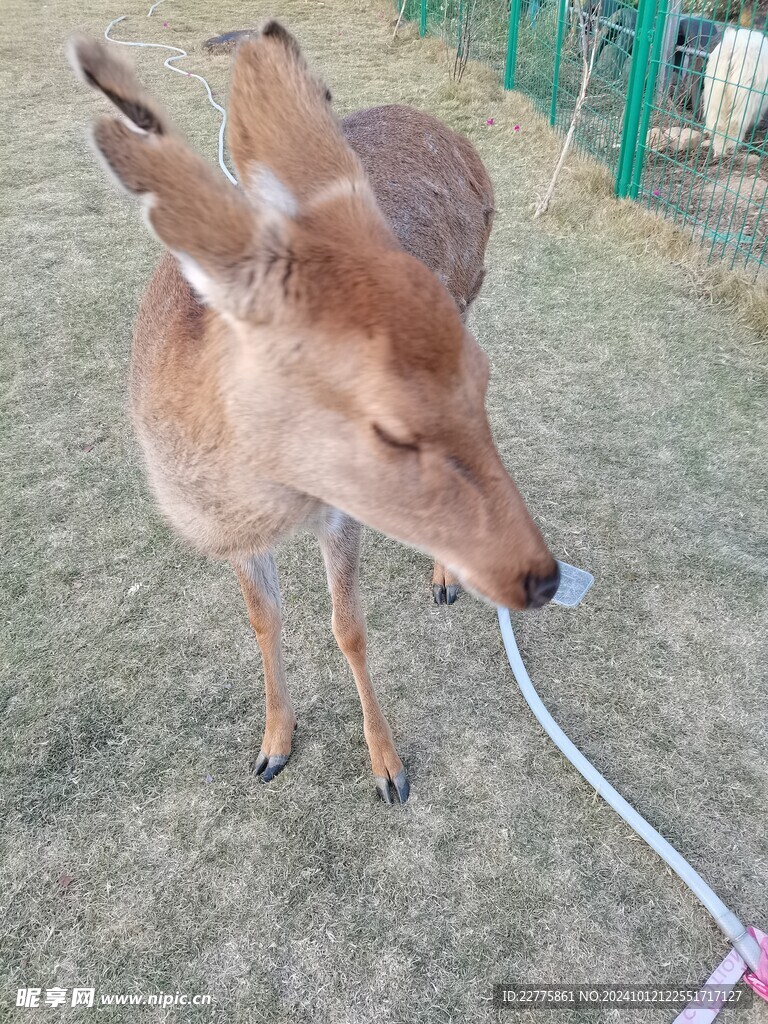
x: 205, y: 222
x: 221, y: 243
x: 102, y: 69
x: 281, y: 122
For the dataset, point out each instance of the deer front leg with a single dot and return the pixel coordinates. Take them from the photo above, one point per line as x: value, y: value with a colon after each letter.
x: 340, y: 544
x: 445, y: 586
x: 258, y: 580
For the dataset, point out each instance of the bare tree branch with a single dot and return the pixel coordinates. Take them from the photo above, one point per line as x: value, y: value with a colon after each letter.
x: 590, y: 44
x: 464, y: 46
x: 399, y: 18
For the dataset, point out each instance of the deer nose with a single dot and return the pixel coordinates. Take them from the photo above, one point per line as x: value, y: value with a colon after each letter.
x: 541, y: 589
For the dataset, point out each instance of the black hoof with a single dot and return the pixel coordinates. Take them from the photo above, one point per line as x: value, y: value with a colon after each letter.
x: 268, y: 767
x: 399, y: 786
x: 445, y: 595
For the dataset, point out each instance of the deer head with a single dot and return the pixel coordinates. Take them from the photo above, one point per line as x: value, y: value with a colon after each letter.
x: 346, y: 369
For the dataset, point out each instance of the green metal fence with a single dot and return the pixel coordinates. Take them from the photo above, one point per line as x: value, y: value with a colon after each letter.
x: 677, y: 104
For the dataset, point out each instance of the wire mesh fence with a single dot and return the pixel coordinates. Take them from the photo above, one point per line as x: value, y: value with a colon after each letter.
x: 677, y: 103
x: 550, y: 63
x: 704, y: 153
x: 469, y: 28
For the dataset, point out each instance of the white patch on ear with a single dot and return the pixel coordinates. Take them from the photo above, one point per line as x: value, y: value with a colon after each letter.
x: 149, y: 140
x: 266, y: 189
x: 74, y: 61
x: 343, y: 188
x: 197, y: 277
x: 147, y: 202
x: 101, y: 157
x: 134, y: 127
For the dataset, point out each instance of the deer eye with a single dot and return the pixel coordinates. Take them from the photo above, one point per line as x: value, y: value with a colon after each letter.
x: 392, y: 442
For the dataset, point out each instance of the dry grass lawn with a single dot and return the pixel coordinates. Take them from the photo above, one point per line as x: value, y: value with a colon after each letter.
x: 137, y: 854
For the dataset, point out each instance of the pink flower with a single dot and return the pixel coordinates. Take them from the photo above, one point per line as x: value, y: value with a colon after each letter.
x: 165, y: 24
x: 516, y: 128
x: 656, y: 193
x: 490, y: 121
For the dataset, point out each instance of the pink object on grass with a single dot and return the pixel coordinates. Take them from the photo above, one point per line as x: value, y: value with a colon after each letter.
x: 490, y: 121
x: 759, y: 981
x: 725, y: 976
x: 516, y: 128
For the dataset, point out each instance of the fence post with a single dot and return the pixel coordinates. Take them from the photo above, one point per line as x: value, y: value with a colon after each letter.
x: 635, y: 90
x: 423, y: 18
x: 671, y: 29
x: 562, y: 11
x: 648, y: 99
x: 514, y: 24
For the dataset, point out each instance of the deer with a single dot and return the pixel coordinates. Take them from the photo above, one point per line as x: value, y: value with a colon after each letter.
x: 300, y: 357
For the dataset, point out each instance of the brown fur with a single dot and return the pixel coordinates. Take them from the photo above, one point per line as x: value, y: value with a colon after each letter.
x: 98, y: 68
x: 270, y: 74
x: 320, y: 371
x: 434, y: 192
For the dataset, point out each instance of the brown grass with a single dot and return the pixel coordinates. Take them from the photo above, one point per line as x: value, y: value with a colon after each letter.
x: 585, y: 202
x: 137, y: 853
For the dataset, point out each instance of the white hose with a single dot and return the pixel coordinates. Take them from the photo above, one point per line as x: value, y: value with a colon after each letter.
x: 168, y: 63
x: 725, y: 919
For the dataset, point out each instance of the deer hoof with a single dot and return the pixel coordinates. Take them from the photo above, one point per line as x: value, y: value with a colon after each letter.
x: 268, y: 767
x: 399, y: 786
x: 445, y: 595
